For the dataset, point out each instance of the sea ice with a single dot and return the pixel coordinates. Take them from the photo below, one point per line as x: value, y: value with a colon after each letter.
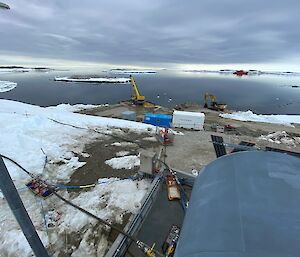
x: 6, y: 86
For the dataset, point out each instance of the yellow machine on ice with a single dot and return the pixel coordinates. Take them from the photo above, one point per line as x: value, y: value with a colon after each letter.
x: 214, y: 105
x: 137, y: 98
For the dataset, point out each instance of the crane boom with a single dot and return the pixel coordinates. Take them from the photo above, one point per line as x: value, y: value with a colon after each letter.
x: 137, y: 98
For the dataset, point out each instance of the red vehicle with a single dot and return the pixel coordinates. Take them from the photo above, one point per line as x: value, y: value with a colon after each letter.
x: 240, y: 73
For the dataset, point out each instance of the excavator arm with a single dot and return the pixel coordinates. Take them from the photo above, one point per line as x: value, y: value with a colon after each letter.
x: 213, y: 102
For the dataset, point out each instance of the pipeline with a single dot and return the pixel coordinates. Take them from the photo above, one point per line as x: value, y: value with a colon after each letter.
x: 17, y: 164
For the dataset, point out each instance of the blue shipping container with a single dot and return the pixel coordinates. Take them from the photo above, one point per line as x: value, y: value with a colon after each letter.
x: 161, y: 120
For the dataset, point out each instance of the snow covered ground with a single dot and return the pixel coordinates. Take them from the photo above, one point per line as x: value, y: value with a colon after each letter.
x: 9, y: 70
x: 16, y: 69
x: 287, y: 120
x: 6, y: 86
x: 30, y: 133
x: 94, y: 80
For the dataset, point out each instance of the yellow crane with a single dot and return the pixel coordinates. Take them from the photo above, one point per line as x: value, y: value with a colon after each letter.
x: 214, y: 105
x: 137, y: 98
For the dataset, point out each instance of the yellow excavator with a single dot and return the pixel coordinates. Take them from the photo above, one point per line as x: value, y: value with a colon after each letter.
x: 137, y: 98
x: 214, y: 105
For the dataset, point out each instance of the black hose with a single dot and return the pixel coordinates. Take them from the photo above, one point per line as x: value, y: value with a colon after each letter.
x: 83, y: 210
x: 17, y: 164
x: 104, y: 222
x: 102, y: 133
x: 95, y: 217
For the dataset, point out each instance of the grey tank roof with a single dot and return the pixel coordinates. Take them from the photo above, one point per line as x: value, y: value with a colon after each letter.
x: 245, y: 204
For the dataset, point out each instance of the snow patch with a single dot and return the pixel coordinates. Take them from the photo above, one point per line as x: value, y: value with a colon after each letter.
x: 151, y: 139
x: 275, y: 119
x: 109, y: 200
x: 123, y: 144
x: 281, y: 137
x: 174, y: 132
x: 6, y: 86
x: 122, y: 153
x: 75, y: 107
x: 125, y: 162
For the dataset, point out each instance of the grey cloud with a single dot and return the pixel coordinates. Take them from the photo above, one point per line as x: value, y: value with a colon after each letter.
x: 145, y: 32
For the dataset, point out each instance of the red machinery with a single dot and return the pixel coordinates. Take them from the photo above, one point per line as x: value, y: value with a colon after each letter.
x: 164, y: 136
x: 240, y: 73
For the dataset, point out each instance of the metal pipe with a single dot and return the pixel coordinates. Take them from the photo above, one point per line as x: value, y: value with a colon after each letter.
x: 16, y: 205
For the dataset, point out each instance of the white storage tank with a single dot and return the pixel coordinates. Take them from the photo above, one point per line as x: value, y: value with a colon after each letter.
x: 188, y: 120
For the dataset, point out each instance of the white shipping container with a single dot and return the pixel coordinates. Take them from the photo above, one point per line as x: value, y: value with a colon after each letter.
x: 189, y: 120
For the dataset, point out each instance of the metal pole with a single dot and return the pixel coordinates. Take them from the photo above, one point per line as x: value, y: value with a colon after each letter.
x: 16, y: 205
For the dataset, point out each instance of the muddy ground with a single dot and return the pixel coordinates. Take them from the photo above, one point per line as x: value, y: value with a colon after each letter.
x: 99, y: 151
x: 102, y: 150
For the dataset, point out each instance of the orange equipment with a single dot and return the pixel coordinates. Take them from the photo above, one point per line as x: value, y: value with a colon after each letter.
x: 173, y: 190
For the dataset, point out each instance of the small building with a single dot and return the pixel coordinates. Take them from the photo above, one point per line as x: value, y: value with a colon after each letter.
x: 161, y: 120
x: 188, y: 120
x: 128, y: 115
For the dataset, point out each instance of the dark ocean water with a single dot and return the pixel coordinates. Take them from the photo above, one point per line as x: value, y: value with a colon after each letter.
x: 265, y: 94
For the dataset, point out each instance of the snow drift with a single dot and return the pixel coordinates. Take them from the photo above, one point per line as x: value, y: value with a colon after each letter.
x: 287, y: 120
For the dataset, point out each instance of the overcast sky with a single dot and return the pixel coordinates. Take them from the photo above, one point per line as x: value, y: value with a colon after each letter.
x: 144, y: 32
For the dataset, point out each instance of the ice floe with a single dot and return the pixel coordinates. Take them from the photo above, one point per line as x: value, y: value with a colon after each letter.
x: 6, y: 86
x: 133, y: 71
x: 93, y: 80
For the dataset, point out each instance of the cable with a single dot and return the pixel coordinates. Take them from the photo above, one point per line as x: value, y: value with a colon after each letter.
x: 89, y: 185
x: 104, y: 222
x: 87, y: 212
x: 99, y: 132
x: 44, y: 216
x: 17, y: 164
